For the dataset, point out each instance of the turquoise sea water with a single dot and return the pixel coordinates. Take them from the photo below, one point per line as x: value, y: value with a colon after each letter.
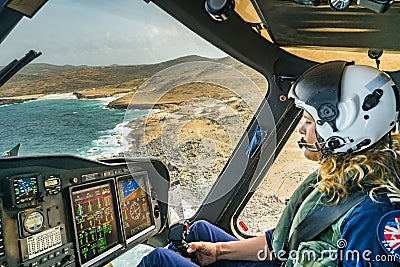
x: 63, y: 126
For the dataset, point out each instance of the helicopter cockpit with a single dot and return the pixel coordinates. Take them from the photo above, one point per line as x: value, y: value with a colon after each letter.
x: 84, y: 209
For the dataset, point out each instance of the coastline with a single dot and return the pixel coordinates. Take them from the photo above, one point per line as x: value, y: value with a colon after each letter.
x: 81, y: 95
x: 18, y: 99
x: 58, y: 96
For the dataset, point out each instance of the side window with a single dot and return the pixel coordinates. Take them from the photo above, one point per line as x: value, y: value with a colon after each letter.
x: 265, y: 207
x: 198, y: 111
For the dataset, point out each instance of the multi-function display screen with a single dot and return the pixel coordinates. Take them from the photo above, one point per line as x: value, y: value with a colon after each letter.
x: 95, y: 220
x: 25, y: 189
x: 135, y: 205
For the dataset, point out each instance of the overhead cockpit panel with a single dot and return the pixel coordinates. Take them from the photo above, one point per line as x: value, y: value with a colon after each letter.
x: 291, y: 24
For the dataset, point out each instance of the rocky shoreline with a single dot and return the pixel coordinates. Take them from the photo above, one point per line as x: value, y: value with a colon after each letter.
x: 18, y: 99
x: 120, y: 103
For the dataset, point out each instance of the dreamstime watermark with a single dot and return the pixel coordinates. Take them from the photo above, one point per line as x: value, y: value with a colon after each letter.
x: 339, y: 254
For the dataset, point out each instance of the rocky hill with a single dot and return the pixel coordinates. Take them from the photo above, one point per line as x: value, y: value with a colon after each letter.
x: 38, y: 79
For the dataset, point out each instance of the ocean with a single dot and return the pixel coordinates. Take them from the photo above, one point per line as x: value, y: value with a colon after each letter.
x: 64, y: 125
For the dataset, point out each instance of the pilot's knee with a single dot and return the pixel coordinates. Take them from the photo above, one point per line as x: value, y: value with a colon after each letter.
x: 201, y: 224
x: 157, y: 252
x: 200, y: 230
x: 154, y: 254
x: 154, y: 258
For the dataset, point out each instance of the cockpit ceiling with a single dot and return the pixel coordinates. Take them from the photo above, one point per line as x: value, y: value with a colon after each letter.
x: 291, y: 24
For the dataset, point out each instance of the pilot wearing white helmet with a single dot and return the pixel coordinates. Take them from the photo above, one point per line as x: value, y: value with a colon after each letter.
x: 350, y: 112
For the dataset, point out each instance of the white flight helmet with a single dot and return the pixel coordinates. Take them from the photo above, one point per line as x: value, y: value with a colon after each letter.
x: 353, y: 106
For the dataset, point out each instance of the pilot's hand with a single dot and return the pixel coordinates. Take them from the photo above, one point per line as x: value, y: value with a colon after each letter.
x: 206, y: 252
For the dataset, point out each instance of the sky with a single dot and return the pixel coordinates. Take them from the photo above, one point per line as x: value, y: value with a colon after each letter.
x: 101, y: 33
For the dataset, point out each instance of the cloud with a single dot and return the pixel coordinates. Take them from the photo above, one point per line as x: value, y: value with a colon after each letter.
x: 100, y: 32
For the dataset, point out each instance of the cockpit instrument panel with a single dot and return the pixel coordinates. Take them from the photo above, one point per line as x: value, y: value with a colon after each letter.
x: 136, y: 207
x: 95, y: 220
x: 24, y: 190
x: 32, y: 222
x: 69, y: 211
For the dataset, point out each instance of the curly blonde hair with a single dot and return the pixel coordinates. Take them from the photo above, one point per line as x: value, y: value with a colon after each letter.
x: 371, y: 171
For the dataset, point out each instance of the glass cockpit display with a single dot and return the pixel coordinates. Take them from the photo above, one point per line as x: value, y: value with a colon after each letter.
x: 25, y: 189
x: 135, y: 205
x: 95, y: 220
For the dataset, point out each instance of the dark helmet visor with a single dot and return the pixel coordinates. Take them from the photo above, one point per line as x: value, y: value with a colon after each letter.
x: 319, y: 87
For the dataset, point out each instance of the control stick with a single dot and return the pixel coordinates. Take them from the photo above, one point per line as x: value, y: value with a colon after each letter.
x: 177, y: 235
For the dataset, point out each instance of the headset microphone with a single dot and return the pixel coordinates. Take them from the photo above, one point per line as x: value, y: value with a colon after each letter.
x: 302, y: 143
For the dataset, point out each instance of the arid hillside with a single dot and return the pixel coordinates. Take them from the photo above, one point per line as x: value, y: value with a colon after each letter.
x: 37, y: 80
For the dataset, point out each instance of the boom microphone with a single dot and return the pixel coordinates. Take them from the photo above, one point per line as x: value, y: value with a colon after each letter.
x: 302, y: 143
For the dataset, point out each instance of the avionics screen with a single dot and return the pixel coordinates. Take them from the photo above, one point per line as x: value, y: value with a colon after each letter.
x: 135, y: 205
x: 25, y: 189
x: 95, y: 220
